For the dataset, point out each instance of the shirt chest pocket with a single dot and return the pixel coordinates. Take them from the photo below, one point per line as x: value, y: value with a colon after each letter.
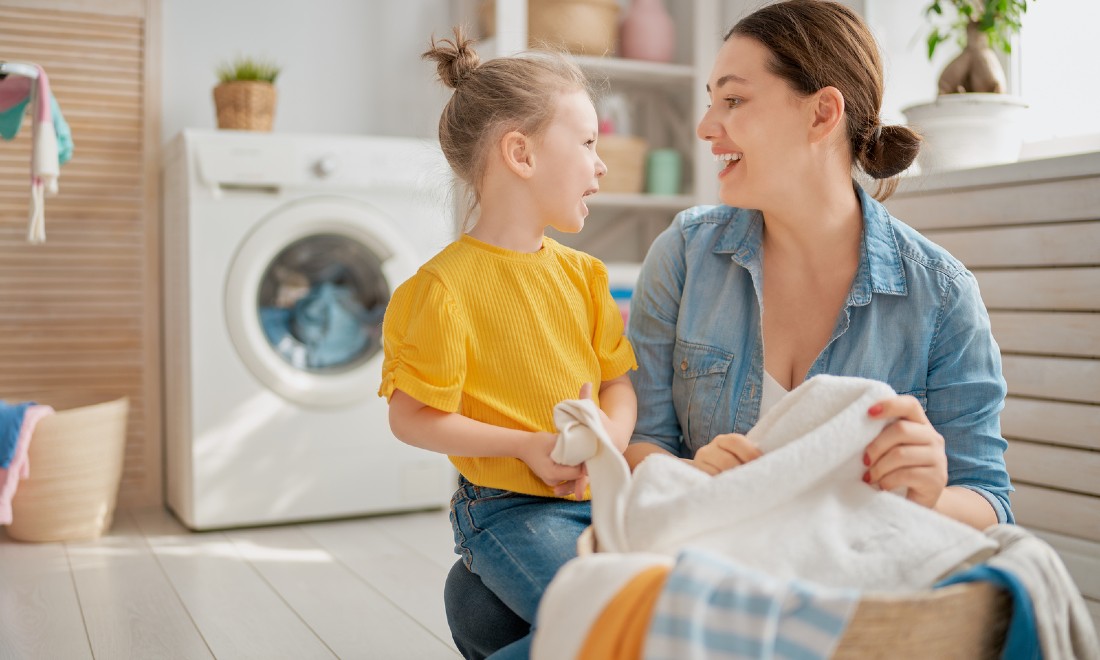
x: 698, y: 384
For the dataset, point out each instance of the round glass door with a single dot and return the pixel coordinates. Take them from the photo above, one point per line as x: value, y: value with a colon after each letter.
x: 306, y: 295
x: 321, y: 302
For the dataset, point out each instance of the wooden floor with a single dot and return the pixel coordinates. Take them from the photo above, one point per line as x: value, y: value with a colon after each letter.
x: 365, y: 588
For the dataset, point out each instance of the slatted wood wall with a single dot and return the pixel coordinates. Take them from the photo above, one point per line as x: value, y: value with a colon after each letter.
x: 1032, y: 240
x: 79, y: 315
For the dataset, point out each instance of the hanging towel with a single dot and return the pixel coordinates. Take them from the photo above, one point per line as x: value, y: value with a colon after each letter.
x: 800, y: 511
x: 11, y: 421
x: 1046, y: 602
x: 51, y: 139
x: 20, y: 467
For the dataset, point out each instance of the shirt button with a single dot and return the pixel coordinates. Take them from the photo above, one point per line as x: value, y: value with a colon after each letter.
x: 684, y: 365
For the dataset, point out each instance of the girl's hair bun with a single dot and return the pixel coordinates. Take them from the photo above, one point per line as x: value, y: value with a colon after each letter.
x: 454, y: 59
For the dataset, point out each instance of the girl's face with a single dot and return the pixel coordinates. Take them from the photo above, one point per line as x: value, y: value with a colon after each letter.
x: 757, y: 126
x: 567, y: 168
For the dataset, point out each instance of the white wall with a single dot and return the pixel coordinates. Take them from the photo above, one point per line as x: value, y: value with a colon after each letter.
x: 349, y: 66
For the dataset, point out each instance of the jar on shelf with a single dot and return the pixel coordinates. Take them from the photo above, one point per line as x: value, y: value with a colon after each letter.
x: 648, y: 32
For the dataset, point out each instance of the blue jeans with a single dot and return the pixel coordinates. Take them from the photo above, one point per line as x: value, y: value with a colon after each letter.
x: 515, y: 543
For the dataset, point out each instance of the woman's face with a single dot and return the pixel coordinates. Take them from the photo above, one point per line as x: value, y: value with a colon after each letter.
x: 757, y: 126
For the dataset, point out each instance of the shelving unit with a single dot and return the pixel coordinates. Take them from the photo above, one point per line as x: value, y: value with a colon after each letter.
x: 667, y: 100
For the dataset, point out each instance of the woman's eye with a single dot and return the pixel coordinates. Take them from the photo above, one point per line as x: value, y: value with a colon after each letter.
x: 733, y: 102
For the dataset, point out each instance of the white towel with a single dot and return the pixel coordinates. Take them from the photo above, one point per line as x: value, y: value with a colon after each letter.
x: 800, y: 511
x: 45, y: 166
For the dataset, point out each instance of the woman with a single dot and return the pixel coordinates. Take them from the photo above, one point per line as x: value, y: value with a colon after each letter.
x: 801, y: 272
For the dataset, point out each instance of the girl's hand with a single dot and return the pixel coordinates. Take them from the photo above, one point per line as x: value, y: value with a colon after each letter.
x: 564, y: 478
x: 725, y: 452
x: 908, y: 453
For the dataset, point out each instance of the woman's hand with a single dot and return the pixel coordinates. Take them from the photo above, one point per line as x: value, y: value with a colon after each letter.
x: 909, y: 453
x: 725, y: 452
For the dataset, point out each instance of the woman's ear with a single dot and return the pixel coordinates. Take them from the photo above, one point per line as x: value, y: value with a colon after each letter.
x: 516, y: 150
x: 827, y: 113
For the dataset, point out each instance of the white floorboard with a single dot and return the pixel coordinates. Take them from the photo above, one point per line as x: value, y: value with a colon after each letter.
x: 364, y: 588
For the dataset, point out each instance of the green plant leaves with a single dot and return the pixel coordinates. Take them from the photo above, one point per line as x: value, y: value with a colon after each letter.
x: 248, y: 68
x: 998, y: 19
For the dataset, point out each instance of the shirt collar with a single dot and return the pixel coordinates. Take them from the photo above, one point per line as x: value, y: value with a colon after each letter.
x: 880, y: 265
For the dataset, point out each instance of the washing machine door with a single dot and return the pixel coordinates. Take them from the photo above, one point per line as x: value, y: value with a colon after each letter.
x: 305, y: 298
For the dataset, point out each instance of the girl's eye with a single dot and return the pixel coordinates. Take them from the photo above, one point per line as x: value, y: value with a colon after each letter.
x: 590, y: 143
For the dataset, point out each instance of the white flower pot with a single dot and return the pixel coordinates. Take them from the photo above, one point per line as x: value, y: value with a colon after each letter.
x: 968, y: 130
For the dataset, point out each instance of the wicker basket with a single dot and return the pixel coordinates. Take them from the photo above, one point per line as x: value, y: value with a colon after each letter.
x: 245, y: 105
x: 624, y: 156
x: 75, y: 467
x: 959, y: 622
x: 582, y: 27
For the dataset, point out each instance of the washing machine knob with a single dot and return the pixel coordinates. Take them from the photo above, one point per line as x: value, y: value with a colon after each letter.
x: 325, y: 166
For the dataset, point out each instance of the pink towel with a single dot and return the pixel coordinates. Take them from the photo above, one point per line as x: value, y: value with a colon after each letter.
x: 20, y: 466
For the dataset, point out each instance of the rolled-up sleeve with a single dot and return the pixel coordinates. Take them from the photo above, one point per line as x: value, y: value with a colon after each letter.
x: 966, y: 393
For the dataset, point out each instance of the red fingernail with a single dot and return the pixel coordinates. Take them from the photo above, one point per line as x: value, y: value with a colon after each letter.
x: 866, y: 458
x: 875, y: 409
x: 866, y: 477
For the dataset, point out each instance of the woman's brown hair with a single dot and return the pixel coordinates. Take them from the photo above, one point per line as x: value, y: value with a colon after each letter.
x: 492, y: 98
x: 818, y: 43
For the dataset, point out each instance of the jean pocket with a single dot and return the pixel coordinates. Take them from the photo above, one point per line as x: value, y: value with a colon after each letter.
x: 697, y: 388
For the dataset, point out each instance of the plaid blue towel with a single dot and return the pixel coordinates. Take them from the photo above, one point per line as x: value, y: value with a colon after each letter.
x: 713, y: 607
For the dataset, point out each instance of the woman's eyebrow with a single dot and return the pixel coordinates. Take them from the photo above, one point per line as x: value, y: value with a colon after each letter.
x: 727, y: 79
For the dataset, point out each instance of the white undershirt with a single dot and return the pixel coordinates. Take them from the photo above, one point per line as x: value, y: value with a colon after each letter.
x: 771, y: 393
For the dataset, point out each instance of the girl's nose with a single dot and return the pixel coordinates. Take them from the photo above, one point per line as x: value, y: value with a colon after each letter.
x: 601, y: 168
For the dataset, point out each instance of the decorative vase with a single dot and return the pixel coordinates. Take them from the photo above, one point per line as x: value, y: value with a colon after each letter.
x: 648, y: 32
x: 968, y: 130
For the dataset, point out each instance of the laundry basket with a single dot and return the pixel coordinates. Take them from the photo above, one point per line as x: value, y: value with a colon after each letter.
x: 966, y: 621
x: 75, y: 460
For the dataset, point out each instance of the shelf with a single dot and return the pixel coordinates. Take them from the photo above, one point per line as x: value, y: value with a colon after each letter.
x: 618, y: 69
x: 641, y: 201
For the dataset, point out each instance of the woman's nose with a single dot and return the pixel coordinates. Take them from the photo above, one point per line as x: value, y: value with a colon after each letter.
x: 707, y: 129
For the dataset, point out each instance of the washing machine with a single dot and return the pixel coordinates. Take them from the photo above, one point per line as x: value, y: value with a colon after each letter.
x: 280, y: 254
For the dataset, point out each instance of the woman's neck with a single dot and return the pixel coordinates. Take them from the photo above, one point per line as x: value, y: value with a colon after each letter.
x: 816, y: 226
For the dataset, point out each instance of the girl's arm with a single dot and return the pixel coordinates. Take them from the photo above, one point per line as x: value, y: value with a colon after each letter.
x: 620, y: 406
x: 456, y: 435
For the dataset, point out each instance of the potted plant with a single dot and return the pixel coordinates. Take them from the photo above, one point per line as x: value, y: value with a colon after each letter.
x: 973, y: 122
x: 245, y: 95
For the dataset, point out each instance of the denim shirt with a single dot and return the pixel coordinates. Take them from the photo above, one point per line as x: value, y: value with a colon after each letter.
x: 913, y: 319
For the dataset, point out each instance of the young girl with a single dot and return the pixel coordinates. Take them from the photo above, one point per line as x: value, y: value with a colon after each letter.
x: 504, y: 323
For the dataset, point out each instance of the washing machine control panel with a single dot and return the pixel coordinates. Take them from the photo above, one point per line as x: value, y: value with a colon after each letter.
x: 325, y: 166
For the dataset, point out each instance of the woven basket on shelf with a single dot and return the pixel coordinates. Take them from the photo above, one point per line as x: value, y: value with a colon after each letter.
x: 624, y: 156
x: 246, y: 105
x: 582, y: 27
x: 75, y: 467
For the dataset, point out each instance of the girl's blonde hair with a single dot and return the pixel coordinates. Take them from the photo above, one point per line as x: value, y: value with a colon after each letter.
x: 492, y: 98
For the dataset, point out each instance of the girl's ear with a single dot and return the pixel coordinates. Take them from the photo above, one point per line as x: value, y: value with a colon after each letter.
x: 516, y: 149
x: 827, y: 113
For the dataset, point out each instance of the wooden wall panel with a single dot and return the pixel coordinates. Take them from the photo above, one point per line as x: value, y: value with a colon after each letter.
x: 1030, y: 232
x: 79, y: 315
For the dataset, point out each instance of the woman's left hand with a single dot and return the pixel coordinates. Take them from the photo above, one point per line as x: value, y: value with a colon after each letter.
x: 909, y: 453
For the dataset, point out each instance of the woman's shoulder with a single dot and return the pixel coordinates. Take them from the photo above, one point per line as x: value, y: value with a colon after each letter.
x: 923, y: 253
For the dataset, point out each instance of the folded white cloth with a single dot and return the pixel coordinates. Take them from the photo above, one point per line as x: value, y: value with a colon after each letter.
x: 800, y: 511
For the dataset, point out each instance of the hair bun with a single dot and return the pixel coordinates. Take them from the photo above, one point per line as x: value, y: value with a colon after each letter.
x: 890, y: 151
x: 454, y: 59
